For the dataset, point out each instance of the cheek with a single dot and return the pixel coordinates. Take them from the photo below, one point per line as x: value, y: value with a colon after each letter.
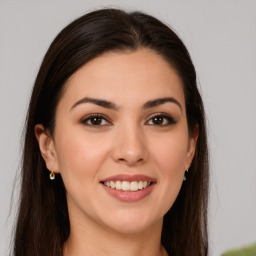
x: 170, y: 157
x: 80, y: 156
x: 170, y: 153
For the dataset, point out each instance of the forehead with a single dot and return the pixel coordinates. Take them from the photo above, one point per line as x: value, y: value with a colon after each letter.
x: 123, y: 77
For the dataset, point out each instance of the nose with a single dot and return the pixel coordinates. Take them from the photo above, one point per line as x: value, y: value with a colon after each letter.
x: 130, y: 146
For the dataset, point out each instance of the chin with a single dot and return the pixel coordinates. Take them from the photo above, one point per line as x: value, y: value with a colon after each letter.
x: 132, y: 223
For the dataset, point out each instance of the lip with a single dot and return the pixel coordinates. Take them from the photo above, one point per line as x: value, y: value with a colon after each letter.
x: 129, y: 196
x: 130, y: 178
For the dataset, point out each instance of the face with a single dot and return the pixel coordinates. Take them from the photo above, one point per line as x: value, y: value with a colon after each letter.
x: 121, y: 141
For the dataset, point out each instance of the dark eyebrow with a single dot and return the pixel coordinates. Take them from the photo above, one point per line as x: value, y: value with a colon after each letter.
x: 157, y: 102
x: 99, y: 102
x: 110, y: 105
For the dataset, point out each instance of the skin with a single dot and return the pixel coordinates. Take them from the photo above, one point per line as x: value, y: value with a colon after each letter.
x: 126, y: 141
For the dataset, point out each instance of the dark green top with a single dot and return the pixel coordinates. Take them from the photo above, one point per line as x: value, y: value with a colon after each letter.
x: 245, y: 251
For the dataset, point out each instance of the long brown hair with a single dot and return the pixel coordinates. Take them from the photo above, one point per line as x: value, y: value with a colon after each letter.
x: 43, y: 222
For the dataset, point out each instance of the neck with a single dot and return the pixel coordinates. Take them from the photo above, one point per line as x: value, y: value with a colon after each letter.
x: 89, y: 239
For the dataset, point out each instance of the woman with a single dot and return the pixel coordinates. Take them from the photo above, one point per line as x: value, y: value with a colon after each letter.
x: 115, y: 154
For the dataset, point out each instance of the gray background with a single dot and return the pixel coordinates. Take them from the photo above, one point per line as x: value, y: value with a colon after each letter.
x: 221, y: 37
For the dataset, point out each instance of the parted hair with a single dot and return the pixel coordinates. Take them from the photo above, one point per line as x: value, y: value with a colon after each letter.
x: 43, y: 223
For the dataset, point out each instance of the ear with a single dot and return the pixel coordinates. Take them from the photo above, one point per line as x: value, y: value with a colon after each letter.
x: 192, y: 146
x: 47, y: 148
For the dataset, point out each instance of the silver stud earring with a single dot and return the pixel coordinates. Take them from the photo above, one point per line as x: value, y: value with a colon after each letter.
x: 185, y: 178
x: 52, y: 175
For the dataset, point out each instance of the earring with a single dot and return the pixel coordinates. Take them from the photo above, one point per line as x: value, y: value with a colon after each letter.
x: 52, y: 175
x: 185, y: 178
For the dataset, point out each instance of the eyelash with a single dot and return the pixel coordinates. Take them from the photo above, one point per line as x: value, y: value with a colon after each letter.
x: 170, y: 120
x: 99, y: 116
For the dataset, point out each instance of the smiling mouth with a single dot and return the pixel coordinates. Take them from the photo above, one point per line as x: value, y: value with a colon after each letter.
x: 127, y: 186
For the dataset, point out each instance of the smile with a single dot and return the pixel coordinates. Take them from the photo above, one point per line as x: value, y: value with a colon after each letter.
x: 127, y: 186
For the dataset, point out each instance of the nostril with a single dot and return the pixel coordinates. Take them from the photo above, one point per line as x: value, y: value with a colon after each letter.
x: 130, y: 161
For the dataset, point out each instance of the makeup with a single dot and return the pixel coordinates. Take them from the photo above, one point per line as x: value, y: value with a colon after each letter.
x: 129, y: 188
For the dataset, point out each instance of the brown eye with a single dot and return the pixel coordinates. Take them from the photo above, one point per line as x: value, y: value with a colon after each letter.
x: 158, y: 120
x: 95, y: 120
x: 161, y: 120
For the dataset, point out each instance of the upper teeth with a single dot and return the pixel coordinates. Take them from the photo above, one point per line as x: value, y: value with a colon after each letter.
x: 126, y: 185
